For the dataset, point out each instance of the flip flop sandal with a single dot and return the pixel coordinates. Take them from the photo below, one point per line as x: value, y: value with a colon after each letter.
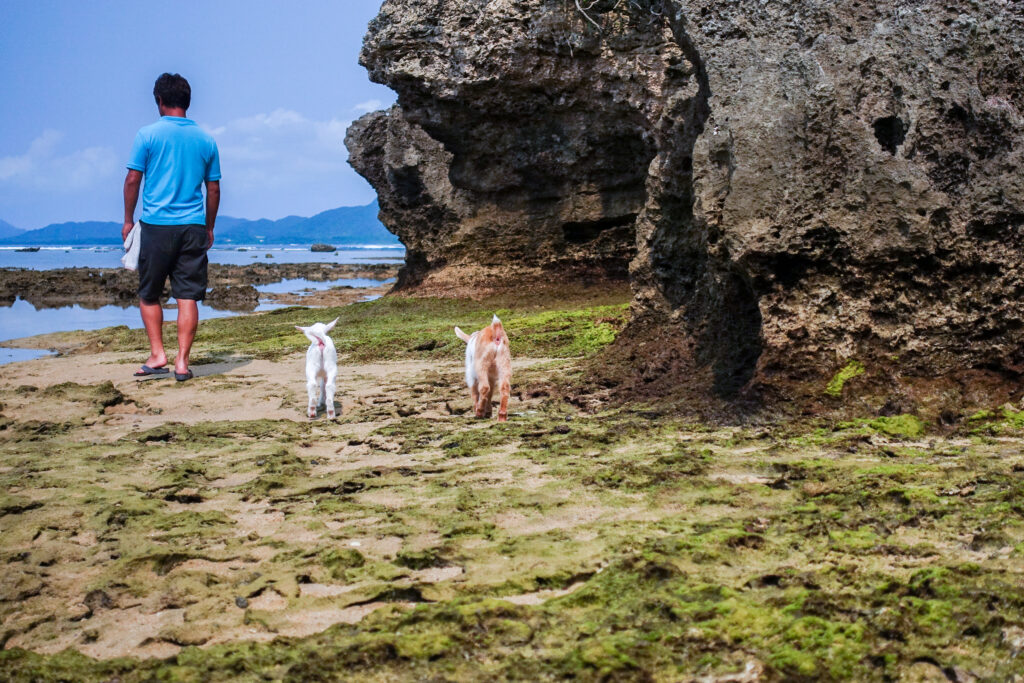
x: 182, y: 377
x: 145, y: 371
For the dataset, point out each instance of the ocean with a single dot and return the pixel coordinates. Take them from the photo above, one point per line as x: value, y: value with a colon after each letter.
x: 22, y: 319
x: 48, y: 258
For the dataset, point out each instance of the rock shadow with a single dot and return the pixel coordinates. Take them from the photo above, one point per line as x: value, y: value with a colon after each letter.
x: 716, y: 300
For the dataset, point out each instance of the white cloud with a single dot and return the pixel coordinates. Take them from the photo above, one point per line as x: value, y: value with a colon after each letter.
x: 42, y: 167
x: 267, y: 152
x: 273, y: 164
x: 368, y: 106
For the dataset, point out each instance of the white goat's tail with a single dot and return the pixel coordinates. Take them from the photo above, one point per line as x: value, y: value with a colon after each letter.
x: 461, y: 335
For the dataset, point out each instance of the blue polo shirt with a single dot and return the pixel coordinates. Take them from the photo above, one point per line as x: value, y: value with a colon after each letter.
x: 175, y: 156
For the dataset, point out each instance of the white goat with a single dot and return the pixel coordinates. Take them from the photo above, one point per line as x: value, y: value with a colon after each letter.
x: 321, y: 367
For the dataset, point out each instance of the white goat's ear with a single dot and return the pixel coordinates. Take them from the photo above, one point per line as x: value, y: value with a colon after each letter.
x: 495, y: 319
x: 330, y: 325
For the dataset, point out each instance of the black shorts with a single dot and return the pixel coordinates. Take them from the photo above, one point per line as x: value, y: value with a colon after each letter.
x: 178, y: 251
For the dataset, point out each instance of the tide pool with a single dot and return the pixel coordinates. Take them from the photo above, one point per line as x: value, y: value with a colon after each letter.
x: 22, y: 319
x: 300, y: 285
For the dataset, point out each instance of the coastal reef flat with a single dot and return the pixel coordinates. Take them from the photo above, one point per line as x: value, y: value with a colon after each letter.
x: 231, y: 287
x: 208, y: 531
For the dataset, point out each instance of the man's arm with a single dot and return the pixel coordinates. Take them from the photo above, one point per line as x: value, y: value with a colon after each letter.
x: 132, y: 183
x: 212, y: 204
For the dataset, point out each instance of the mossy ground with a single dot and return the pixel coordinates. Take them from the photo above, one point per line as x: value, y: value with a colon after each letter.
x: 408, y: 541
x: 393, y: 328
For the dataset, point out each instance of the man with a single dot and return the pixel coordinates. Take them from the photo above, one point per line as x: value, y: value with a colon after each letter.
x: 177, y: 158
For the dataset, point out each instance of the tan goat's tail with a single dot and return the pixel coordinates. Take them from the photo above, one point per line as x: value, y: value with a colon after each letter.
x: 499, y: 332
x: 461, y: 335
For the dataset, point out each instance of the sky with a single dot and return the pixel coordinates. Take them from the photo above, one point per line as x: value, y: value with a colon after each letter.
x: 275, y: 83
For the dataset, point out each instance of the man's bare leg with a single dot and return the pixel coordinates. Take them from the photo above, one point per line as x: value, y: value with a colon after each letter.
x: 153, y: 319
x: 188, y: 320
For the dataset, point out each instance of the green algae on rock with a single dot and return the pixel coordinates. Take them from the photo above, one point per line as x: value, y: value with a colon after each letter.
x: 852, y: 369
x: 909, y: 426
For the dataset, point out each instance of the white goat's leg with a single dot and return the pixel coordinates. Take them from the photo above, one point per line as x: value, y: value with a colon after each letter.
x: 330, y: 384
x: 312, y: 388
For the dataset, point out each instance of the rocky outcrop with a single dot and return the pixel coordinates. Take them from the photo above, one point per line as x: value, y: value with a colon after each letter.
x: 518, y: 146
x: 805, y: 183
x: 233, y: 298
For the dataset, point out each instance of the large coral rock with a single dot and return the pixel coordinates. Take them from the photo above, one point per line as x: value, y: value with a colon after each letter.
x: 519, y: 146
x: 807, y: 182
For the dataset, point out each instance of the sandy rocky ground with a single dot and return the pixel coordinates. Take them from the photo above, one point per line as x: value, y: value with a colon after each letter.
x: 100, y: 593
x: 139, y: 517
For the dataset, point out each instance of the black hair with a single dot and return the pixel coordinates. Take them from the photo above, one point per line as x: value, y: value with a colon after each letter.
x: 173, y: 90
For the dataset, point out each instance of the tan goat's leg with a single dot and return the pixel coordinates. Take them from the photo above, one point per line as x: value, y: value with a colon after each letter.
x: 505, y: 389
x: 489, y: 401
x: 483, y: 399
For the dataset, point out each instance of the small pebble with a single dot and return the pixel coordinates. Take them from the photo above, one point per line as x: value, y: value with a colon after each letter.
x: 313, y: 462
x: 354, y: 544
x: 241, y: 602
x: 260, y: 462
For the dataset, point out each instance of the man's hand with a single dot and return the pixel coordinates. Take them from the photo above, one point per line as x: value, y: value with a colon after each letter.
x: 132, y: 183
x: 209, y: 237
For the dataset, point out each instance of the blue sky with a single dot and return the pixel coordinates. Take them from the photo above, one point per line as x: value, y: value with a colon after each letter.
x: 276, y: 83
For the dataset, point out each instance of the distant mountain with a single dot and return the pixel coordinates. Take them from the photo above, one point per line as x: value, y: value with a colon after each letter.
x: 89, y: 232
x: 348, y: 225
x: 345, y: 226
x: 8, y: 230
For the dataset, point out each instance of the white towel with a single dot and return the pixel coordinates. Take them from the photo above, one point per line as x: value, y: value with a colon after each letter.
x: 131, y: 248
